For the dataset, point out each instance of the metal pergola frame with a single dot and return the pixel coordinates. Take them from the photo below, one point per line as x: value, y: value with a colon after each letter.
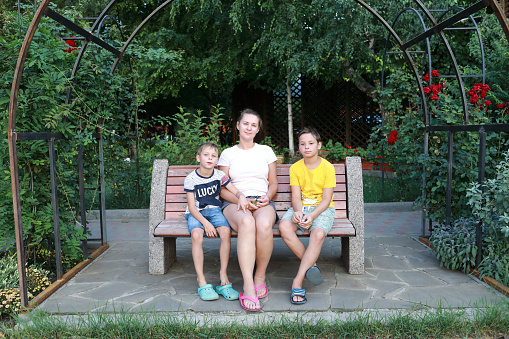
x: 43, y: 9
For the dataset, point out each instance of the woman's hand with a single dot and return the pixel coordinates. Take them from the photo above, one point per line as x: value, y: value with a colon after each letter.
x: 263, y: 201
x: 253, y: 204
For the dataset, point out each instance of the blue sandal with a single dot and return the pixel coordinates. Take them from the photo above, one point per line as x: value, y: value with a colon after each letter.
x: 314, y: 275
x: 298, y: 292
x: 228, y: 292
x: 207, y: 292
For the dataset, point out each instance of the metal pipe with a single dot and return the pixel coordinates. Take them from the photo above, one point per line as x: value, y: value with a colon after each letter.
x: 102, y: 208
x: 448, y: 192
x: 54, y: 199
x: 81, y: 178
x: 482, y: 163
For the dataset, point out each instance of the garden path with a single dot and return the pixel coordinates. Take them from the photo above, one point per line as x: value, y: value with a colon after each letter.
x: 401, y: 274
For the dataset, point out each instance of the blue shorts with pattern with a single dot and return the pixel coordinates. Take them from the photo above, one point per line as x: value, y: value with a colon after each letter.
x: 323, y: 221
x: 212, y: 214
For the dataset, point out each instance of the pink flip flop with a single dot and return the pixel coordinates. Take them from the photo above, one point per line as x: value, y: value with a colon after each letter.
x: 255, y: 300
x: 257, y: 288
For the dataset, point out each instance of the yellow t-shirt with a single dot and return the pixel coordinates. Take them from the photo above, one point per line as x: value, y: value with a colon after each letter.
x: 312, y: 182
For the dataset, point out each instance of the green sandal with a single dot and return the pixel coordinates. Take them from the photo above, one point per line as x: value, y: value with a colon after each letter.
x: 207, y: 292
x: 228, y: 292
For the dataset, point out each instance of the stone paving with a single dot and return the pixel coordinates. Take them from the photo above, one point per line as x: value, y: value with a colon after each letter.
x: 400, y: 274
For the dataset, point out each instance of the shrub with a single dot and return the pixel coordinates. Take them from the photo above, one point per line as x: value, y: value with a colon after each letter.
x: 37, y: 281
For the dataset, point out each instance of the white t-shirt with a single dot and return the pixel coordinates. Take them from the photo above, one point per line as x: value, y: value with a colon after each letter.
x: 249, y: 169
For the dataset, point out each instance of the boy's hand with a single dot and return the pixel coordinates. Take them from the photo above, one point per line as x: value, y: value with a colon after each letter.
x: 297, y: 217
x: 243, y: 203
x: 210, y: 230
x: 306, y: 221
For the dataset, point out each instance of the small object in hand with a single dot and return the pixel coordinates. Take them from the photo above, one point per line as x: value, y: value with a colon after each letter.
x: 255, y: 202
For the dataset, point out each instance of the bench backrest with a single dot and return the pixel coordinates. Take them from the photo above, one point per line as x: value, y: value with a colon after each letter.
x: 176, y: 201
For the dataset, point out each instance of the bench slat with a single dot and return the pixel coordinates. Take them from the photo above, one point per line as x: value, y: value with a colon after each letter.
x: 282, y: 188
x: 176, y: 197
x: 340, y: 214
x: 179, y: 181
x: 280, y: 206
x: 341, y: 227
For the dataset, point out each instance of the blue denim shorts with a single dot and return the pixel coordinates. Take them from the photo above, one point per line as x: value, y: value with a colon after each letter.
x: 212, y: 214
x: 323, y: 221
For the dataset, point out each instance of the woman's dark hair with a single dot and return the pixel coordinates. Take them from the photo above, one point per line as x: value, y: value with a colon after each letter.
x: 311, y: 131
x: 253, y: 112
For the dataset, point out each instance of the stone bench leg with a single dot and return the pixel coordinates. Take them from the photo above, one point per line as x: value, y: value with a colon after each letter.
x: 352, y: 249
x: 161, y: 251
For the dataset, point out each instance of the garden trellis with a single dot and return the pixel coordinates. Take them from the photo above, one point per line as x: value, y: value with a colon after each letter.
x: 43, y: 9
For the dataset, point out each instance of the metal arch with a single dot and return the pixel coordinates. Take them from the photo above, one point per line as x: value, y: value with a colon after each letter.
x: 479, y: 38
x: 405, y: 52
x: 453, y: 59
x: 135, y: 32
x: 386, y: 48
x: 13, y: 155
x: 83, y: 48
x: 504, y: 22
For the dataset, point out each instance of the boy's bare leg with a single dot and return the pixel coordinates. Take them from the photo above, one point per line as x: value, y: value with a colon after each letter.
x: 244, y: 225
x: 264, y: 219
x: 197, y: 252
x: 316, y: 238
x: 287, y: 229
x: 224, y: 253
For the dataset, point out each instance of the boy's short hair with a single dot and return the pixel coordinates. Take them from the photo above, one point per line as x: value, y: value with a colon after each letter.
x: 312, y: 131
x: 205, y: 145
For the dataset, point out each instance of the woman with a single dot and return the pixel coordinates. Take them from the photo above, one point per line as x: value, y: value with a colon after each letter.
x: 252, y: 170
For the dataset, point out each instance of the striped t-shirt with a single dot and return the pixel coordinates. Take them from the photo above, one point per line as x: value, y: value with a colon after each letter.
x: 206, y: 190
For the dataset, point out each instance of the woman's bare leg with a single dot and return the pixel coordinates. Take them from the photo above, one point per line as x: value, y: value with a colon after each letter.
x: 244, y: 225
x: 265, y: 219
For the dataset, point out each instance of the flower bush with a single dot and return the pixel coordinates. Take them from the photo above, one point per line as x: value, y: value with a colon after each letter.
x: 37, y: 281
x: 404, y: 150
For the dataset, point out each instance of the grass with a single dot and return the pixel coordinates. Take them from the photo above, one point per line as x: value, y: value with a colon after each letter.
x: 479, y: 322
x: 395, y: 190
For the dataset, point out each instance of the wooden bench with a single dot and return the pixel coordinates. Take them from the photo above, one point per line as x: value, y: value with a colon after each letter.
x: 168, y: 205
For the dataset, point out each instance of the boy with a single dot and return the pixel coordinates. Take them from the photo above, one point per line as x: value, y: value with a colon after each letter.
x: 204, y: 216
x: 312, y: 182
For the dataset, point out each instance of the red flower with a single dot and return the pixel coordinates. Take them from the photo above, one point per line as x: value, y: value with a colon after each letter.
x: 487, y: 103
x: 72, y: 45
x: 425, y: 77
x: 394, y: 133
x: 486, y: 88
x: 355, y: 150
x: 474, y: 98
x: 349, y: 147
x: 435, y: 88
x: 434, y: 97
x: 392, y: 139
x: 500, y: 105
x: 435, y: 73
x: 483, y: 93
x: 426, y: 90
